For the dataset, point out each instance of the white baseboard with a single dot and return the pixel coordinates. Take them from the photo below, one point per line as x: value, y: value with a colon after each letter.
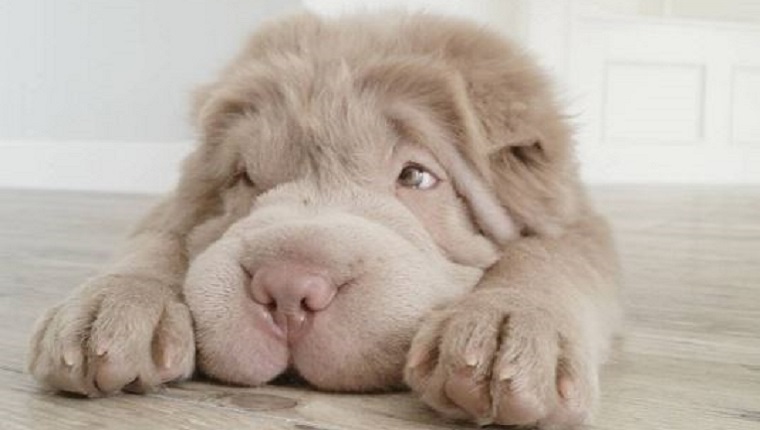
x: 108, y: 166
x: 663, y: 164
x: 153, y: 167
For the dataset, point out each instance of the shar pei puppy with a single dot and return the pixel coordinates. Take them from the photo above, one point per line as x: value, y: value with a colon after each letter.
x: 375, y: 202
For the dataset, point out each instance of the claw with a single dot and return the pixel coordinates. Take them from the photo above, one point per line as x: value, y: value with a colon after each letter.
x: 70, y: 357
x: 507, y: 372
x: 566, y: 388
x: 101, y: 350
x: 167, y: 359
x: 471, y: 359
x: 417, y: 357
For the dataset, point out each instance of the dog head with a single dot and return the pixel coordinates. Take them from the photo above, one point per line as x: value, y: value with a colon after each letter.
x: 352, y: 176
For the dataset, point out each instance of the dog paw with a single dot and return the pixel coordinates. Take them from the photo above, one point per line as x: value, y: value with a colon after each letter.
x: 500, y: 359
x: 115, y: 333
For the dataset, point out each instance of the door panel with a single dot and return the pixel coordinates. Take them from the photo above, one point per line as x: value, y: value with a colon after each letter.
x: 665, y: 100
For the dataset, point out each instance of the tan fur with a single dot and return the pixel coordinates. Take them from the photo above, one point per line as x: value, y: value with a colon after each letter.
x: 491, y: 295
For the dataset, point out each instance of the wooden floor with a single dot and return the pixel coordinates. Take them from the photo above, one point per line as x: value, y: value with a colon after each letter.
x: 690, y: 357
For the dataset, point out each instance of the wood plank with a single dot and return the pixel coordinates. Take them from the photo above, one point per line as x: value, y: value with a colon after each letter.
x: 689, y: 357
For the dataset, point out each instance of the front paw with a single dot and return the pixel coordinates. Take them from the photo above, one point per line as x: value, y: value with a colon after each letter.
x: 499, y: 357
x: 116, y: 332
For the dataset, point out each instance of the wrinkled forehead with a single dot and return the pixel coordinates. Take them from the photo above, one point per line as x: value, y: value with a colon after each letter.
x: 313, y: 122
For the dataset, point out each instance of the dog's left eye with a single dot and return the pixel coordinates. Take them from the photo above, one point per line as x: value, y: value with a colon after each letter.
x: 417, y: 177
x: 240, y: 177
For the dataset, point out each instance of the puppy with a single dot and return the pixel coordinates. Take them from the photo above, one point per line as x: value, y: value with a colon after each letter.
x: 376, y: 201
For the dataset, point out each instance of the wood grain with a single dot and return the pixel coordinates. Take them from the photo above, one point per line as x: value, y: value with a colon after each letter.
x: 689, y: 357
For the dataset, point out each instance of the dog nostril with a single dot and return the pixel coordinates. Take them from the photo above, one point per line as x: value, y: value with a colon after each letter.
x: 291, y: 288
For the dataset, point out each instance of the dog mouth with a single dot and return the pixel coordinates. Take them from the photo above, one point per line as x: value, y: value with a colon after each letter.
x: 287, y: 327
x: 334, y: 302
x: 289, y: 321
x: 290, y: 378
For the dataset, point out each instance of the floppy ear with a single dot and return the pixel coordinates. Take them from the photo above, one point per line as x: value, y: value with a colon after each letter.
x: 527, y: 140
x: 422, y: 106
x: 218, y: 107
x: 506, y: 122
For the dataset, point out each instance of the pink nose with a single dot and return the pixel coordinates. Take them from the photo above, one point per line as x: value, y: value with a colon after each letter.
x: 292, y: 292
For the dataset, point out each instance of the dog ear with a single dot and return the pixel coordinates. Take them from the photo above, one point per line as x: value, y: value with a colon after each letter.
x: 422, y: 106
x: 219, y: 105
x: 526, y: 140
x: 529, y: 146
x: 216, y: 108
x: 503, y: 121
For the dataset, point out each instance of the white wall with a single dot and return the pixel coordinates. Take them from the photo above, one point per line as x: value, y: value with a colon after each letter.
x: 501, y: 15
x: 96, y: 94
x: 727, y: 10
x: 667, y: 98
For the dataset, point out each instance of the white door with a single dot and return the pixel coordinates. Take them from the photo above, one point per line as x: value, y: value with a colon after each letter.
x: 655, y: 98
x: 664, y: 99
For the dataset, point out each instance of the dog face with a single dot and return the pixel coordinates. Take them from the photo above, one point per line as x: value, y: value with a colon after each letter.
x: 349, y: 233
x: 345, y: 194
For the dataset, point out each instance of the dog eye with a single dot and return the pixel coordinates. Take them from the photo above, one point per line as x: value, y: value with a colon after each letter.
x: 241, y: 177
x: 245, y: 179
x: 417, y: 177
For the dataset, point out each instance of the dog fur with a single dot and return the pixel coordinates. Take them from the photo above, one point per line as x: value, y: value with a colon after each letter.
x: 490, y: 294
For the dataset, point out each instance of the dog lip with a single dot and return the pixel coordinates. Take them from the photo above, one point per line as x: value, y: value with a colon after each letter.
x: 293, y: 325
x: 270, y: 326
x: 285, y: 327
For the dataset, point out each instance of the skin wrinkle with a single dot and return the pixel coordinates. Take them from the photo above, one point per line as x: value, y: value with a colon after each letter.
x: 322, y: 115
x: 491, y: 216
